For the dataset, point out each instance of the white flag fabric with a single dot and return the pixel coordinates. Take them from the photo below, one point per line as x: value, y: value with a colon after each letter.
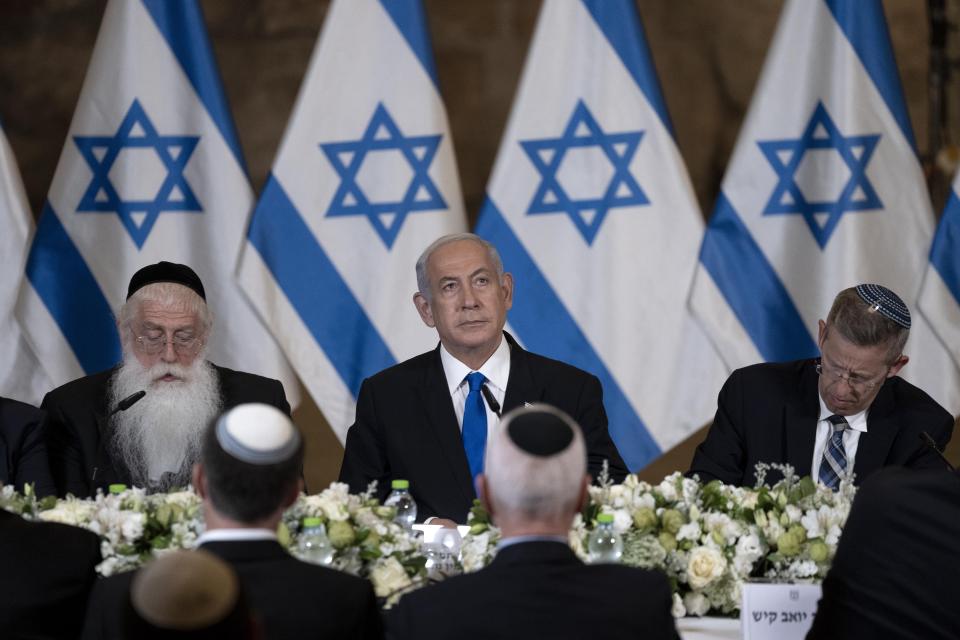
x: 151, y: 170
x: 940, y: 295
x: 364, y: 180
x: 592, y: 209
x: 22, y: 378
x: 824, y: 191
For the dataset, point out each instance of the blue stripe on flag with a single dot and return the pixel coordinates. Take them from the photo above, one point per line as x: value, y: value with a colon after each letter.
x: 545, y: 325
x: 752, y: 288
x: 411, y: 20
x: 866, y: 28
x: 182, y: 25
x: 315, y: 289
x: 620, y: 22
x: 945, y: 251
x: 70, y: 292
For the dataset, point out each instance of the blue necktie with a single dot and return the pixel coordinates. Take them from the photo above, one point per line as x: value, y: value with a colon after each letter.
x: 834, y: 462
x: 475, y: 423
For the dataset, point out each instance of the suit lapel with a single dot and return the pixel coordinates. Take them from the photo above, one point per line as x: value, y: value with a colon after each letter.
x: 874, y: 445
x: 520, y: 385
x: 443, y: 420
x: 800, y: 421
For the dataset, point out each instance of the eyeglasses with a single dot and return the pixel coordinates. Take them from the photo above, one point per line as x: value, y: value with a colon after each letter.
x: 858, y: 383
x: 183, y: 345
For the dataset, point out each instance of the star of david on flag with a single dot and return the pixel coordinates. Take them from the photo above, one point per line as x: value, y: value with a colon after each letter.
x: 788, y: 156
x: 583, y: 132
x: 383, y: 135
x: 136, y: 132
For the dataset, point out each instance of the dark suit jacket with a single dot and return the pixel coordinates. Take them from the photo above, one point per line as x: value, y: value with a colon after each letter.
x: 291, y: 599
x: 539, y: 590
x: 406, y: 427
x: 768, y: 413
x: 77, y: 426
x: 23, y: 448
x: 894, y: 575
x: 46, y: 573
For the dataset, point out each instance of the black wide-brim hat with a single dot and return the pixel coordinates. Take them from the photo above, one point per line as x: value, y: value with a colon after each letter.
x: 166, y: 272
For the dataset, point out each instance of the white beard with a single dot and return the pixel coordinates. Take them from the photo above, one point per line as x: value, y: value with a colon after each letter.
x: 158, y: 438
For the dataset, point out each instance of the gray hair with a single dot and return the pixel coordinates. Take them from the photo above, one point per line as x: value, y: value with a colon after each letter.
x: 864, y: 326
x: 535, y: 487
x: 423, y: 282
x: 167, y: 294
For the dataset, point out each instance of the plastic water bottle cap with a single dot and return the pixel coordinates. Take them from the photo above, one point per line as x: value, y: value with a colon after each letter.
x: 605, y: 518
x: 118, y: 488
x: 400, y: 484
x: 312, y: 522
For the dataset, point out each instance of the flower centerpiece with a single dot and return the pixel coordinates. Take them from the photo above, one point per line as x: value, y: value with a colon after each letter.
x: 708, y: 538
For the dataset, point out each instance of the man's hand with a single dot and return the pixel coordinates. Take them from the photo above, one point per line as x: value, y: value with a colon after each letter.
x: 443, y: 522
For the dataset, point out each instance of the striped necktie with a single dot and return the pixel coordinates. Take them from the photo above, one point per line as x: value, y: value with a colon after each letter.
x: 833, y: 466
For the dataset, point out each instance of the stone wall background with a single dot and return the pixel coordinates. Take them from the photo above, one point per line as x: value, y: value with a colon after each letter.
x: 708, y: 55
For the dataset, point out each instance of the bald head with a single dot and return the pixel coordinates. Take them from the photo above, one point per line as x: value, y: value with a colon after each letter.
x: 535, y: 467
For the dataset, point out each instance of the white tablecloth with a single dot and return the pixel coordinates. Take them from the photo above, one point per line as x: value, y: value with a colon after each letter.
x: 709, y: 628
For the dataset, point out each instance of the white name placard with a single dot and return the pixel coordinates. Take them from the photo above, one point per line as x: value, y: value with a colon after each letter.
x: 781, y: 611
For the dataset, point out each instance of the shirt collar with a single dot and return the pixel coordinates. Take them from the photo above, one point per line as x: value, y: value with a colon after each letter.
x: 857, y: 422
x: 496, y: 369
x: 235, y: 535
x: 509, y: 542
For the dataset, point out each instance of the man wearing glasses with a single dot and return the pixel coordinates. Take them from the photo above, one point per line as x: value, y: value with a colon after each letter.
x: 141, y: 422
x: 844, y: 412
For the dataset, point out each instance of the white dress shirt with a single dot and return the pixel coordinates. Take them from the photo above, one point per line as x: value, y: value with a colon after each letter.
x: 857, y: 424
x: 496, y: 369
x: 235, y: 535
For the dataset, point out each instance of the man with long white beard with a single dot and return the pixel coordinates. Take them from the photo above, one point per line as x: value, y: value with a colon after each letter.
x: 102, y: 430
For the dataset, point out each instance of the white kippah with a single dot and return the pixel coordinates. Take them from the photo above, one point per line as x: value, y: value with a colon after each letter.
x: 257, y: 434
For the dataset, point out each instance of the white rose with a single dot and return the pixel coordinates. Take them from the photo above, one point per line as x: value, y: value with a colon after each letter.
x: 622, y: 521
x: 794, y: 513
x: 689, y: 531
x: 668, y: 488
x: 389, y: 576
x: 678, y: 609
x: 696, y: 603
x: 704, y: 566
x: 131, y: 526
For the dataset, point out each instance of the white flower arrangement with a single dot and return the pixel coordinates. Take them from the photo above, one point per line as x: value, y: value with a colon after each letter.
x: 707, y: 538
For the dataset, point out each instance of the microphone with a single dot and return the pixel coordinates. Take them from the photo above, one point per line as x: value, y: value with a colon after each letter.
x: 123, y: 405
x: 128, y: 402
x: 931, y: 443
x: 491, y: 401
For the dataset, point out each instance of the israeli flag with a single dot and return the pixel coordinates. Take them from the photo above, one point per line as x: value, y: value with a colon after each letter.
x: 21, y: 378
x: 151, y: 170
x: 364, y: 180
x: 592, y: 209
x: 940, y: 294
x: 824, y: 191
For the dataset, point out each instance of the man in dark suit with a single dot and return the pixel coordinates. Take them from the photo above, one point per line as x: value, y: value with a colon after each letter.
x: 23, y: 448
x: 249, y: 473
x: 141, y: 422
x: 426, y: 420
x: 46, y: 573
x: 534, y: 483
x: 845, y: 411
x: 896, y: 561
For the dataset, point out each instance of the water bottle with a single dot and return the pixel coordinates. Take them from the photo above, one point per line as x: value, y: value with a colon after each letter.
x: 402, y: 501
x: 313, y: 545
x: 604, y: 544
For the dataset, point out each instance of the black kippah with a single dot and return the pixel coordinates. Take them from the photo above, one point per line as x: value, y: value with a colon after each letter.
x: 166, y: 272
x: 540, y: 433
